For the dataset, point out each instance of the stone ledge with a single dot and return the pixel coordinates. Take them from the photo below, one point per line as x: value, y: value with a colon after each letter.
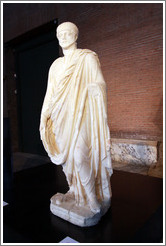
x: 133, y: 151
x: 153, y: 170
x: 131, y: 168
x: 134, y: 141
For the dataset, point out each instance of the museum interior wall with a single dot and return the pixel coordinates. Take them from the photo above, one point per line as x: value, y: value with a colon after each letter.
x: 128, y: 40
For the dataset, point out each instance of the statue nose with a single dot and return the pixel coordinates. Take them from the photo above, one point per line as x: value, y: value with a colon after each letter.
x: 64, y: 36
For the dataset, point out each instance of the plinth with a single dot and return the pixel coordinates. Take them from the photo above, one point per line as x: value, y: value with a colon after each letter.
x: 78, y: 215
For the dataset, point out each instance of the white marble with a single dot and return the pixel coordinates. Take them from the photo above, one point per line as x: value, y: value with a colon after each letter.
x: 134, y: 151
x: 74, y: 129
x: 68, y: 210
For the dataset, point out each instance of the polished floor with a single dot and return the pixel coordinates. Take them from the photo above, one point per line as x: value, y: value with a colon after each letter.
x: 135, y: 215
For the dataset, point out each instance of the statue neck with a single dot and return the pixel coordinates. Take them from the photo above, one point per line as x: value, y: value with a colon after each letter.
x: 70, y: 49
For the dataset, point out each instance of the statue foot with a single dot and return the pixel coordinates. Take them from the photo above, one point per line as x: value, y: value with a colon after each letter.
x: 95, y: 206
x: 68, y: 196
x: 59, y: 198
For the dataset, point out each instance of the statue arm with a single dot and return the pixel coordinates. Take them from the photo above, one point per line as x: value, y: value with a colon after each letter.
x: 94, y: 67
x: 97, y: 91
x: 96, y: 83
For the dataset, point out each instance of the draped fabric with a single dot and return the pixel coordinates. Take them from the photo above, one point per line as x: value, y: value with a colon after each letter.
x: 74, y: 128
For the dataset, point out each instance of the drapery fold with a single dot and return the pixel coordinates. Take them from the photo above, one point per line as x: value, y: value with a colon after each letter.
x: 74, y: 114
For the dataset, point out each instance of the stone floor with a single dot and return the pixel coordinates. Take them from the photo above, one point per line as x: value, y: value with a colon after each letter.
x: 25, y: 160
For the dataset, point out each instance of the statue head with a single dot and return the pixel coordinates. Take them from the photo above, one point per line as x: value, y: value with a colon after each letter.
x: 67, y: 34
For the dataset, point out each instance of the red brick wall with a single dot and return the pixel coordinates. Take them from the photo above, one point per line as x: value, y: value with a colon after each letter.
x: 128, y: 40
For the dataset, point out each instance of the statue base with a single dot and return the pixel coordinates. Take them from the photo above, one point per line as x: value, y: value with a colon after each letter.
x: 77, y: 215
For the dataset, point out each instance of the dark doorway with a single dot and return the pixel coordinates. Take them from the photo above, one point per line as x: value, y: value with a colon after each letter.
x: 7, y: 162
x: 34, y: 54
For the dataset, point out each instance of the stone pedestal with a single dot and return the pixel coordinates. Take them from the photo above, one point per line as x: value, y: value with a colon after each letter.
x: 78, y: 215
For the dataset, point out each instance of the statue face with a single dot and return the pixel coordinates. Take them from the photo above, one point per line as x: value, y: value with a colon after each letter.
x: 66, y: 38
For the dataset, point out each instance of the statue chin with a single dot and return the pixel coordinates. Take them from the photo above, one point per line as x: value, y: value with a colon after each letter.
x: 77, y: 135
x: 67, y: 45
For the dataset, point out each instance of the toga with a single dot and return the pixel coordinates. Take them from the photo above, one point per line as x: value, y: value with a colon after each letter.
x: 74, y: 128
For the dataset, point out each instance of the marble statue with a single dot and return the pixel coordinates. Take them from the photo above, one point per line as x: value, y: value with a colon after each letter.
x: 75, y: 133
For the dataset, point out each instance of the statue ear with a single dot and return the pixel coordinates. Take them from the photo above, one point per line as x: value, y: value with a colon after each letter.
x: 76, y: 36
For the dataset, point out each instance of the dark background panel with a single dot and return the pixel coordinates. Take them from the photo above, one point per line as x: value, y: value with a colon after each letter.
x: 33, y: 60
